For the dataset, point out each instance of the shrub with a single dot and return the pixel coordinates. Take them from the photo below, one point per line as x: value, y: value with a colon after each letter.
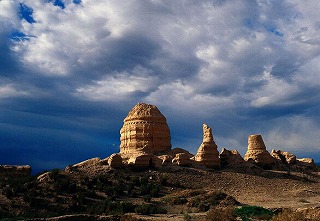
x: 163, y: 180
x: 39, y: 203
x: 118, y: 208
x: 146, y: 209
x: 205, y: 202
x: 203, y: 207
x: 14, y: 186
x: 147, y: 199
x: 150, y: 189
x: 143, y: 180
x: 91, y: 194
x: 102, y: 178
x: 180, y: 200
x: 111, y: 207
x: 28, y: 196
x: 8, y: 192
x: 187, y: 217
x: 218, y: 196
x: 288, y: 215
x: 197, y: 192
x: 256, y: 212
x: 54, y: 174
x: 221, y: 214
x: 80, y: 198
x: 130, y: 187
x: 155, y: 190
x: 175, y: 200
x: 129, y: 217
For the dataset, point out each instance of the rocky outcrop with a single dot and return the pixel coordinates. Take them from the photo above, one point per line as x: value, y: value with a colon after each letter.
x: 182, y: 159
x: 230, y: 158
x: 90, y: 167
x: 145, y: 131
x: 45, y: 178
x: 306, y: 163
x: 165, y: 160
x: 257, y: 152
x: 177, y: 156
x: 90, y: 163
x: 208, y: 154
x: 145, y: 160
x: 283, y: 156
x: 177, y: 150
x: 115, y: 161
x: 15, y: 170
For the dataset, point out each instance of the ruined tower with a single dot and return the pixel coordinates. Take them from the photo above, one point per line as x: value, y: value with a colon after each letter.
x: 208, y: 154
x: 145, y: 131
x: 257, y: 151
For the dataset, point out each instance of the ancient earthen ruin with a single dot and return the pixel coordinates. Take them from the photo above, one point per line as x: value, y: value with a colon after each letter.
x: 257, y: 152
x: 208, y: 154
x: 284, y: 156
x: 145, y: 131
x: 230, y: 158
x: 145, y: 142
x: 115, y: 160
x: 182, y: 159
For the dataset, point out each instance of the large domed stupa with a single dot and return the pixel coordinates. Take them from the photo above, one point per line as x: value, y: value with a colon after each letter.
x: 145, y: 131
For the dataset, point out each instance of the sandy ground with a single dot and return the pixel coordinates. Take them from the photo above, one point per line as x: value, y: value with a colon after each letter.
x: 270, y: 189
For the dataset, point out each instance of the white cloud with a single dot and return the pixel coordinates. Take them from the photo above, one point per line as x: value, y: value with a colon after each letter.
x: 309, y: 73
x: 9, y: 22
x: 10, y: 91
x: 8, y: 15
x: 205, y: 59
x: 225, y: 55
x: 273, y: 92
x: 119, y: 86
x: 294, y: 133
x: 182, y: 98
x: 63, y: 38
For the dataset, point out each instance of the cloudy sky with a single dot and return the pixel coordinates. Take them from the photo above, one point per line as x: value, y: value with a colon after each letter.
x: 70, y: 71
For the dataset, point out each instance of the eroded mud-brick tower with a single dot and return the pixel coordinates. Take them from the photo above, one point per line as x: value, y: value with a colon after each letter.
x: 145, y: 131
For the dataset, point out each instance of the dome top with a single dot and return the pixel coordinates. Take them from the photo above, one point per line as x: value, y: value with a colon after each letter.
x: 142, y: 111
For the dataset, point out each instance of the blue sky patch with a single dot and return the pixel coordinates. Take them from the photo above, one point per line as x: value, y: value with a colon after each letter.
x: 249, y: 23
x: 58, y: 3
x: 273, y: 30
x: 17, y: 36
x: 26, y: 13
x: 77, y: 2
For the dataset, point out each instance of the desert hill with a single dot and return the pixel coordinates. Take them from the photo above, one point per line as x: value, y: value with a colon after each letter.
x: 171, y: 191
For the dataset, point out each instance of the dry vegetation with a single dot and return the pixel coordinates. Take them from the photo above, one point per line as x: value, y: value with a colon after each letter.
x: 173, y: 193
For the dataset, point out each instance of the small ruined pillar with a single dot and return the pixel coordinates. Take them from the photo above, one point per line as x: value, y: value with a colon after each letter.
x: 208, y: 154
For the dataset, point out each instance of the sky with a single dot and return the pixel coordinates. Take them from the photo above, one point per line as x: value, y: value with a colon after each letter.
x: 71, y: 70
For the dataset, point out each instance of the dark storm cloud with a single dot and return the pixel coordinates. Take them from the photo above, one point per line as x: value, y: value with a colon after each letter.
x: 124, y: 53
x: 51, y: 131
x: 7, y: 62
x: 71, y: 70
